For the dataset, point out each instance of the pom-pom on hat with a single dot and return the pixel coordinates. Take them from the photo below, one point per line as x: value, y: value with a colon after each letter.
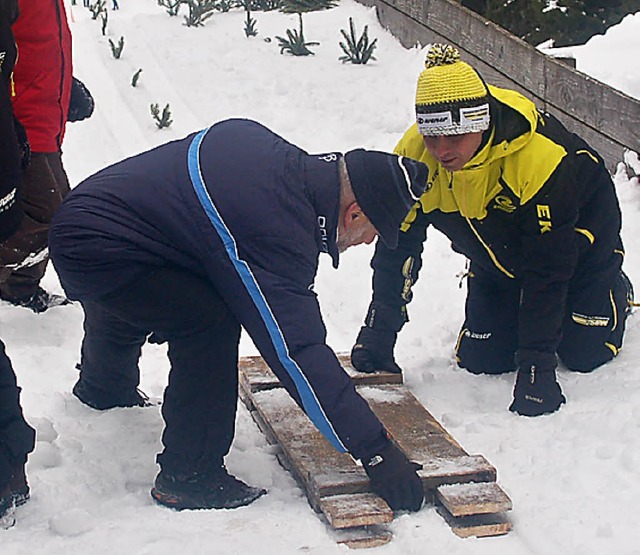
x: 386, y: 186
x: 451, y: 98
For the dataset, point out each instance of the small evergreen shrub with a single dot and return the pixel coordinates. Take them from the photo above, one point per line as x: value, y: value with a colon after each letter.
x: 97, y: 8
x: 163, y: 120
x: 357, y: 51
x: 135, y: 78
x: 295, y: 43
x: 199, y: 12
x: 116, y: 50
x: 104, y: 17
x: 172, y: 6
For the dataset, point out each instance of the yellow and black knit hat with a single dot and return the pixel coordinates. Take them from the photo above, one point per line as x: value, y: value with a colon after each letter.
x: 451, y: 98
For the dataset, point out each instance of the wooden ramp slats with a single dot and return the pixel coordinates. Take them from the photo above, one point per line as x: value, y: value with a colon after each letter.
x: 255, y: 375
x: 322, y: 470
x: 461, y: 485
x: 473, y: 498
x: 361, y: 509
x: 470, y: 468
x: 480, y: 526
x: 363, y: 537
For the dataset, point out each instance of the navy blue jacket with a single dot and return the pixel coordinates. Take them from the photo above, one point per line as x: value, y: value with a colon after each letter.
x: 248, y: 211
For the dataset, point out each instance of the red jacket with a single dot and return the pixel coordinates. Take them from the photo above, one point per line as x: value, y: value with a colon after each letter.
x: 43, y: 72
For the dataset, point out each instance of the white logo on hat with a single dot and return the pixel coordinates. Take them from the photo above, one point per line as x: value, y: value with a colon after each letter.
x: 472, y: 120
x: 474, y: 116
x: 427, y: 123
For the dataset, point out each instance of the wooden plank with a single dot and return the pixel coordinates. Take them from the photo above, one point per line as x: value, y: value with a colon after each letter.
x: 321, y: 469
x: 424, y: 439
x: 360, y: 509
x: 363, y: 538
x: 337, y: 486
x: 255, y: 375
x: 477, y: 525
x: 416, y: 431
x: 473, y: 498
x: 469, y: 468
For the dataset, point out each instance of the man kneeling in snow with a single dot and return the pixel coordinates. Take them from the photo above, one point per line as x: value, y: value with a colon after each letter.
x: 200, y: 237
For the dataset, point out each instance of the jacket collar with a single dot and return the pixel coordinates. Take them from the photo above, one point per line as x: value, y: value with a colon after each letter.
x: 322, y: 180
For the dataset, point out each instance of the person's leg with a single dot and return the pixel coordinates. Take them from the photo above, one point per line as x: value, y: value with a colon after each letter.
x: 200, y: 401
x: 44, y: 185
x: 109, y: 373
x: 593, y: 329
x: 17, y: 440
x: 489, y: 336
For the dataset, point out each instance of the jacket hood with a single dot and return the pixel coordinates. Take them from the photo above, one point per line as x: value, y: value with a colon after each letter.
x: 514, y: 119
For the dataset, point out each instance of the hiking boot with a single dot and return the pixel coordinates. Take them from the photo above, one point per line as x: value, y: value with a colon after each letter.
x: 40, y: 301
x: 100, y: 399
x: 629, y: 289
x: 214, y: 490
x: 7, y: 509
x: 19, y: 486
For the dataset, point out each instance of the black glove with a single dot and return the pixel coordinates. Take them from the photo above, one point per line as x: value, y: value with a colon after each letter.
x: 23, y: 143
x: 394, y: 478
x: 81, y: 103
x: 373, y: 351
x: 536, y: 391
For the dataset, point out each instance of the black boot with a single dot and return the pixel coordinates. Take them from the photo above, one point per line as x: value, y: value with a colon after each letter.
x: 215, y: 490
x: 100, y: 399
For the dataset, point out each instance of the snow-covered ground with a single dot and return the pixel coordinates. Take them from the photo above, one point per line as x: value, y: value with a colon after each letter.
x: 573, y: 476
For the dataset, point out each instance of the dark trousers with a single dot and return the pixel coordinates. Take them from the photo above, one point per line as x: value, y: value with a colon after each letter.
x: 592, y: 331
x: 44, y: 185
x: 17, y: 438
x: 200, y: 400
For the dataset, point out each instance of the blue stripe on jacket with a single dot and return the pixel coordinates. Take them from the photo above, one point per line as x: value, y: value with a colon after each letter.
x: 308, y: 397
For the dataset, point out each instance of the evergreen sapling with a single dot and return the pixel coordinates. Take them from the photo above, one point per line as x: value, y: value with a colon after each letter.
x: 199, y: 12
x: 97, y: 8
x: 136, y: 76
x: 172, y: 6
x: 357, y: 51
x: 105, y: 17
x: 116, y: 50
x: 164, y: 120
x: 295, y: 43
x: 250, y: 29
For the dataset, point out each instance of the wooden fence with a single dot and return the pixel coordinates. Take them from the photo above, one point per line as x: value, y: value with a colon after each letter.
x: 606, y: 118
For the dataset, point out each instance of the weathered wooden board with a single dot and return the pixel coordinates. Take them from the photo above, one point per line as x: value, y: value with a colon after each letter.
x: 473, y: 498
x: 480, y: 526
x: 321, y: 469
x: 255, y: 375
x: 360, y: 509
x: 337, y: 485
x: 363, y: 537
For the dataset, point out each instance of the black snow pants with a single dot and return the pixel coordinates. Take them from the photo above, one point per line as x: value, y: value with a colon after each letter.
x: 17, y: 438
x: 44, y: 185
x: 199, y: 406
x: 592, y: 332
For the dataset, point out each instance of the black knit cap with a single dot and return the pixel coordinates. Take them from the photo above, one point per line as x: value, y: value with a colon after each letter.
x: 386, y: 186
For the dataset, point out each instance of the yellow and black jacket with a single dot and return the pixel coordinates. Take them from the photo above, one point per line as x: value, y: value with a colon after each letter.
x: 535, y: 204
